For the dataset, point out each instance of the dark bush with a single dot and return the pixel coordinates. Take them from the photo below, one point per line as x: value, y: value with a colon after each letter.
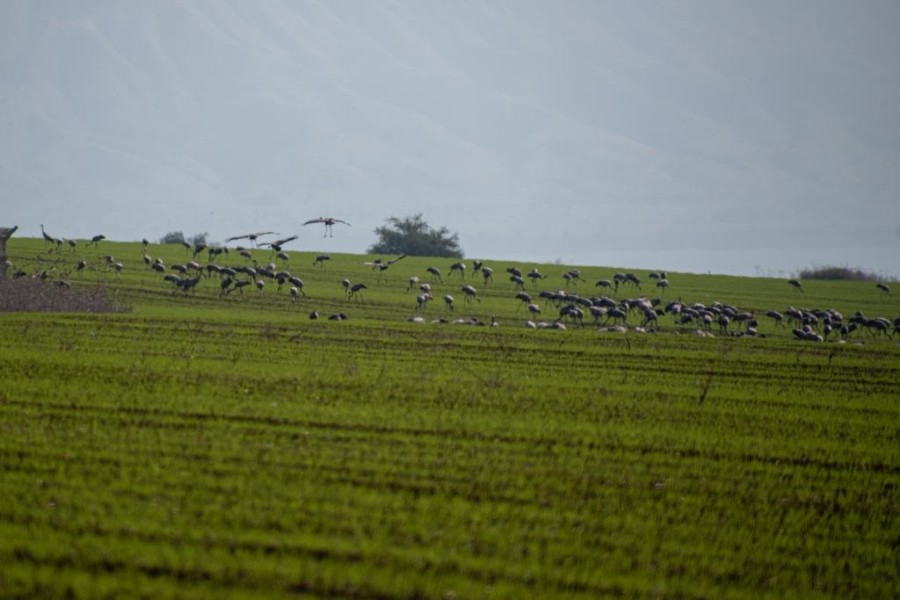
x: 173, y: 237
x: 833, y: 273
x: 36, y: 295
x: 414, y: 236
x: 178, y: 237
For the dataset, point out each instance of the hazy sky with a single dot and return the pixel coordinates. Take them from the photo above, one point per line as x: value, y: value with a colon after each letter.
x: 751, y: 138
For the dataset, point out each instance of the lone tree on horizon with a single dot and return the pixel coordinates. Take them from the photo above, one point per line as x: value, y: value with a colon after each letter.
x: 414, y: 236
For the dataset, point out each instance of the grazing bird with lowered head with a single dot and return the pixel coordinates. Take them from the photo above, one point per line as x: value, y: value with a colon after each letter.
x: 320, y: 260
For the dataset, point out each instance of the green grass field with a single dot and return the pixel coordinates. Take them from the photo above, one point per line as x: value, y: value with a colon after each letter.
x: 200, y: 445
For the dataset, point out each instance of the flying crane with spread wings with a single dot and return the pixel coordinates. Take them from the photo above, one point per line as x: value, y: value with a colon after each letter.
x: 329, y: 224
x: 381, y: 264
x: 277, y: 244
x: 251, y: 236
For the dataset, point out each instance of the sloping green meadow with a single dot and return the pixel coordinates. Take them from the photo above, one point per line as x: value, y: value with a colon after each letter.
x: 216, y: 446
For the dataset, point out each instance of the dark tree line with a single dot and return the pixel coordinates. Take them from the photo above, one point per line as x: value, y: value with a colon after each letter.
x: 177, y: 237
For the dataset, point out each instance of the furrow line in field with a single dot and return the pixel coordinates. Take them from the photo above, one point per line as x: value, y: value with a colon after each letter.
x: 371, y: 475
x: 576, y: 444
x: 219, y: 571
x: 609, y: 418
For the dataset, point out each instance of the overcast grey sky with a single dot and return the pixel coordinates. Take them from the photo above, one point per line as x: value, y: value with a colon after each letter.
x: 750, y: 138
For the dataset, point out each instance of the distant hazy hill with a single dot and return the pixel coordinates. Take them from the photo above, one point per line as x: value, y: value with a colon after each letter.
x: 123, y: 107
x: 533, y: 128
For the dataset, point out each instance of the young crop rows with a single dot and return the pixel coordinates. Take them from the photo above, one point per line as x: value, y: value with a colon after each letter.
x: 199, y: 444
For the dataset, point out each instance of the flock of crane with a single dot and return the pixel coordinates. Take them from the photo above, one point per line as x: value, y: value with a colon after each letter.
x: 568, y: 307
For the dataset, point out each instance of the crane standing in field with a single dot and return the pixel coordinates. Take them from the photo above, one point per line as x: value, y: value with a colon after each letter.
x: 663, y: 284
x: 422, y: 300
x: 329, y: 224
x: 47, y: 237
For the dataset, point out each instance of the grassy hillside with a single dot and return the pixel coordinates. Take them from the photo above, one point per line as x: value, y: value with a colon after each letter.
x: 389, y: 298
x: 205, y: 446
